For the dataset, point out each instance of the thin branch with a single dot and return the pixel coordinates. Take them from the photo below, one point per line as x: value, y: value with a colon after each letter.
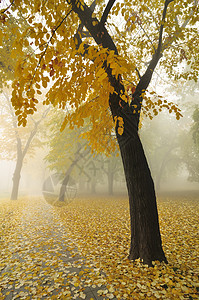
x: 14, y: 123
x: 2, y: 12
x: 164, y: 80
x: 152, y: 16
x: 147, y: 36
x: 106, y: 11
x: 93, y: 5
x: 44, y: 52
x: 146, y: 78
x: 176, y: 20
x: 43, y: 4
x: 42, y: 117
x: 138, y: 73
x: 170, y: 40
x: 31, y: 136
x: 34, y: 131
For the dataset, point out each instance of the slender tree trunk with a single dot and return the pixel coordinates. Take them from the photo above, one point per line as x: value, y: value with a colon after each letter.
x: 65, y: 181
x: 63, y: 188
x: 163, y: 164
x: 110, y: 183
x: 16, y: 179
x: 93, y: 185
x: 159, y: 176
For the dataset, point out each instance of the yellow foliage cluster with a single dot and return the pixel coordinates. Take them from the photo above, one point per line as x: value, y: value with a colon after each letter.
x: 46, y: 56
x: 119, y: 124
x: 154, y: 103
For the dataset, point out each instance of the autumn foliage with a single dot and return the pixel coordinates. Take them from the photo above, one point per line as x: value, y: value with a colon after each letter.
x: 51, y: 49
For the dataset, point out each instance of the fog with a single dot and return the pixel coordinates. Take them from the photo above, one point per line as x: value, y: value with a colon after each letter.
x: 168, y: 144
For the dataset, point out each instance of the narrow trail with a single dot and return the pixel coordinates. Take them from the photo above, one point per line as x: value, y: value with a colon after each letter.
x: 41, y: 262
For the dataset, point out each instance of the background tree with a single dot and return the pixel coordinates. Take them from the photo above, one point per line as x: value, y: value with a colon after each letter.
x: 192, y: 153
x: 63, y: 147
x: 91, y: 77
x: 111, y: 166
x: 15, y: 142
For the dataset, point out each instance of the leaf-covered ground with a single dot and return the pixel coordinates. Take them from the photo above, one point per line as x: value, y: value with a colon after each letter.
x: 79, y: 251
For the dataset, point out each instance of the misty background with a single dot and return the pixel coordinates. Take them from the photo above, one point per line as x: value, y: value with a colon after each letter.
x: 170, y: 147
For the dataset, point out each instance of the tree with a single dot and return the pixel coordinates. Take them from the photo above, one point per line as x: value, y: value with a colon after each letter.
x: 195, y: 128
x: 91, y: 77
x: 192, y: 155
x: 69, y: 151
x: 17, y: 141
x: 111, y: 166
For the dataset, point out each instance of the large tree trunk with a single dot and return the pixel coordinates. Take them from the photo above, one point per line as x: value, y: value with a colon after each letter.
x: 145, y: 234
x: 146, y: 241
x: 16, y: 179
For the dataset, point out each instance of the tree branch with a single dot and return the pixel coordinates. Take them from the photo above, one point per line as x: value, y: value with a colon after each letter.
x: 93, y: 5
x: 162, y: 26
x: 14, y: 123
x: 106, y: 11
x: 44, y: 52
x: 34, y: 131
x: 170, y: 40
x: 80, y: 31
x: 3, y: 11
x: 96, y: 29
x: 147, y: 35
x: 146, y: 78
x: 138, y: 72
x: 154, y: 19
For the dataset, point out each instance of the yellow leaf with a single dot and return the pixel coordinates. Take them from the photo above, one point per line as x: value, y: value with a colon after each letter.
x: 123, y: 97
x: 94, y: 23
x: 102, y: 77
x: 76, y: 284
x: 120, y: 130
x: 100, y: 72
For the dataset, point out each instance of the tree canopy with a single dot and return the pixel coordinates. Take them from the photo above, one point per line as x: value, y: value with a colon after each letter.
x: 70, y: 46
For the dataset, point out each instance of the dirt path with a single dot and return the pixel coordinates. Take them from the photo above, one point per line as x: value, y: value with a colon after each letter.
x: 39, y: 261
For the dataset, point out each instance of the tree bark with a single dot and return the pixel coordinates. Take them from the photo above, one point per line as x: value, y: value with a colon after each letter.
x: 146, y: 241
x: 145, y: 234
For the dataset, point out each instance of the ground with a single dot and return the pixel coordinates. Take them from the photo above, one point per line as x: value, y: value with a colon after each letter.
x: 79, y: 251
